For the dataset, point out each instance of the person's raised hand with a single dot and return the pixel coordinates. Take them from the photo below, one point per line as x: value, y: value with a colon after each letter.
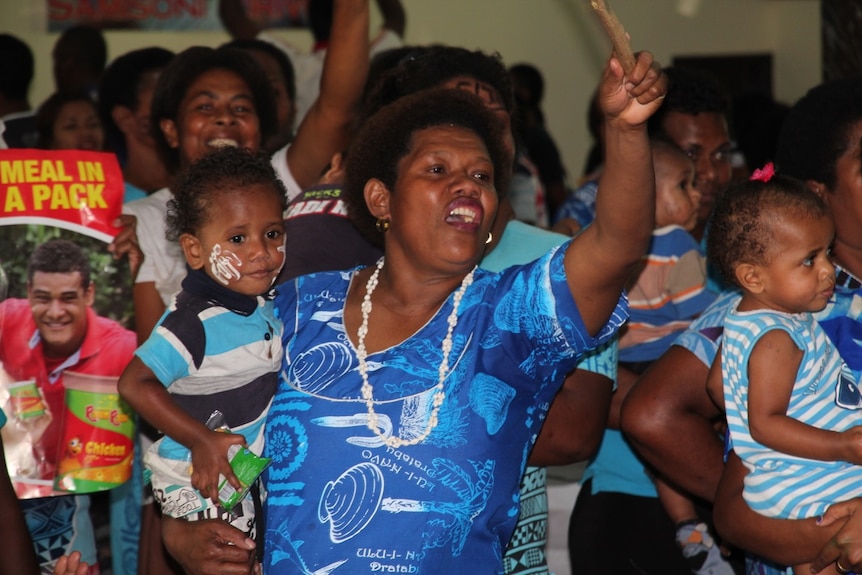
x: 632, y: 98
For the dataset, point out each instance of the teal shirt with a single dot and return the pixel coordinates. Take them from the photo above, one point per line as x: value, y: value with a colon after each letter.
x: 132, y: 193
x: 521, y: 243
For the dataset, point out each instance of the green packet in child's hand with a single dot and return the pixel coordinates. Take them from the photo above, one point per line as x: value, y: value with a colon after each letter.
x: 247, y: 467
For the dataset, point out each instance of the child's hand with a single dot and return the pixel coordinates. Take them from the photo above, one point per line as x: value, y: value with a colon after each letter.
x: 209, y: 459
x: 632, y: 98
x: 852, y: 442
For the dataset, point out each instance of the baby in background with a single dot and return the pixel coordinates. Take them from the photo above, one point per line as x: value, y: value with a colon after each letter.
x: 218, y: 347
x: 782, y: 380
x: 670, y: 289
x: 666, y: 296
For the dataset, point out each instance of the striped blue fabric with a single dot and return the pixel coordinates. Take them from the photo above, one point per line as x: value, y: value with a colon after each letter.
x: 212, y: 358
x: 781, y: 485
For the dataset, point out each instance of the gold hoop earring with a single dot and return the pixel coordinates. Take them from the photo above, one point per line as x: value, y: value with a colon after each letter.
x: 381, y: 225
x: 490, y: 238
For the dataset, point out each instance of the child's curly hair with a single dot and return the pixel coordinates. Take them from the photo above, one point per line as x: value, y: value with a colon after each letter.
x: 222, y: 171
x: 742, y: 225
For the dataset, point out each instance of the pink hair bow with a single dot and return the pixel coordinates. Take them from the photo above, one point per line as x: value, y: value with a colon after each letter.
x: 764, y: 174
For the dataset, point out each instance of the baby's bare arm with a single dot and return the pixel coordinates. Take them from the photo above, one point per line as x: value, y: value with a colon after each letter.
x: 772, y: 371
x: 145, y: 393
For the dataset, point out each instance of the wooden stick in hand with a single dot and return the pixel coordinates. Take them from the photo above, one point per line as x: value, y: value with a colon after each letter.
x: 617, y: 34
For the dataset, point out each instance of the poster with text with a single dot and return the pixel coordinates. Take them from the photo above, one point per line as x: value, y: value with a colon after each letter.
x: 170, y: 15
x: 65, y: 323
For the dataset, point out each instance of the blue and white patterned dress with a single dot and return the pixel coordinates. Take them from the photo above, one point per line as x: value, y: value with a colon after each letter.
x: 339, y: 500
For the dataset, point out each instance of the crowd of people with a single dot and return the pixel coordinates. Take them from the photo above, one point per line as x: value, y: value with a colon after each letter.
x: 367, y: 265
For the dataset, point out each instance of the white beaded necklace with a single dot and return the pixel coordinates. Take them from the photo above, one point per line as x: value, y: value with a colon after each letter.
x: 362, y: 354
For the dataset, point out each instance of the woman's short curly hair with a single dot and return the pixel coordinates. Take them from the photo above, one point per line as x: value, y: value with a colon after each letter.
x: 743, y: 223
x: 387, y: 137
x: 224, y: 170
x: 816, y: 131
x: 186, y: 68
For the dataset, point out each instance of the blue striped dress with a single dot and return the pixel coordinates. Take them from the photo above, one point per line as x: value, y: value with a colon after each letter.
x: 780, y: 485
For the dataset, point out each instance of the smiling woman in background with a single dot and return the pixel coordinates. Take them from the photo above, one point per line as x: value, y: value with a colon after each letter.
x: 70, y: 122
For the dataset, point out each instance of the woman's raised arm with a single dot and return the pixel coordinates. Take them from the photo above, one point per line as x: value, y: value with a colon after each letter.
x: 326, y: 128
x: 601, y: 260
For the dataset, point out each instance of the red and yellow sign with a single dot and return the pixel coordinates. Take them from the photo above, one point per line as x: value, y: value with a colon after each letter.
x: 72, y: 189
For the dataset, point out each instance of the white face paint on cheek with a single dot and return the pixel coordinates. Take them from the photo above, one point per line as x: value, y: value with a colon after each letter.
x: 282, y: 250
x: 223, y: 264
